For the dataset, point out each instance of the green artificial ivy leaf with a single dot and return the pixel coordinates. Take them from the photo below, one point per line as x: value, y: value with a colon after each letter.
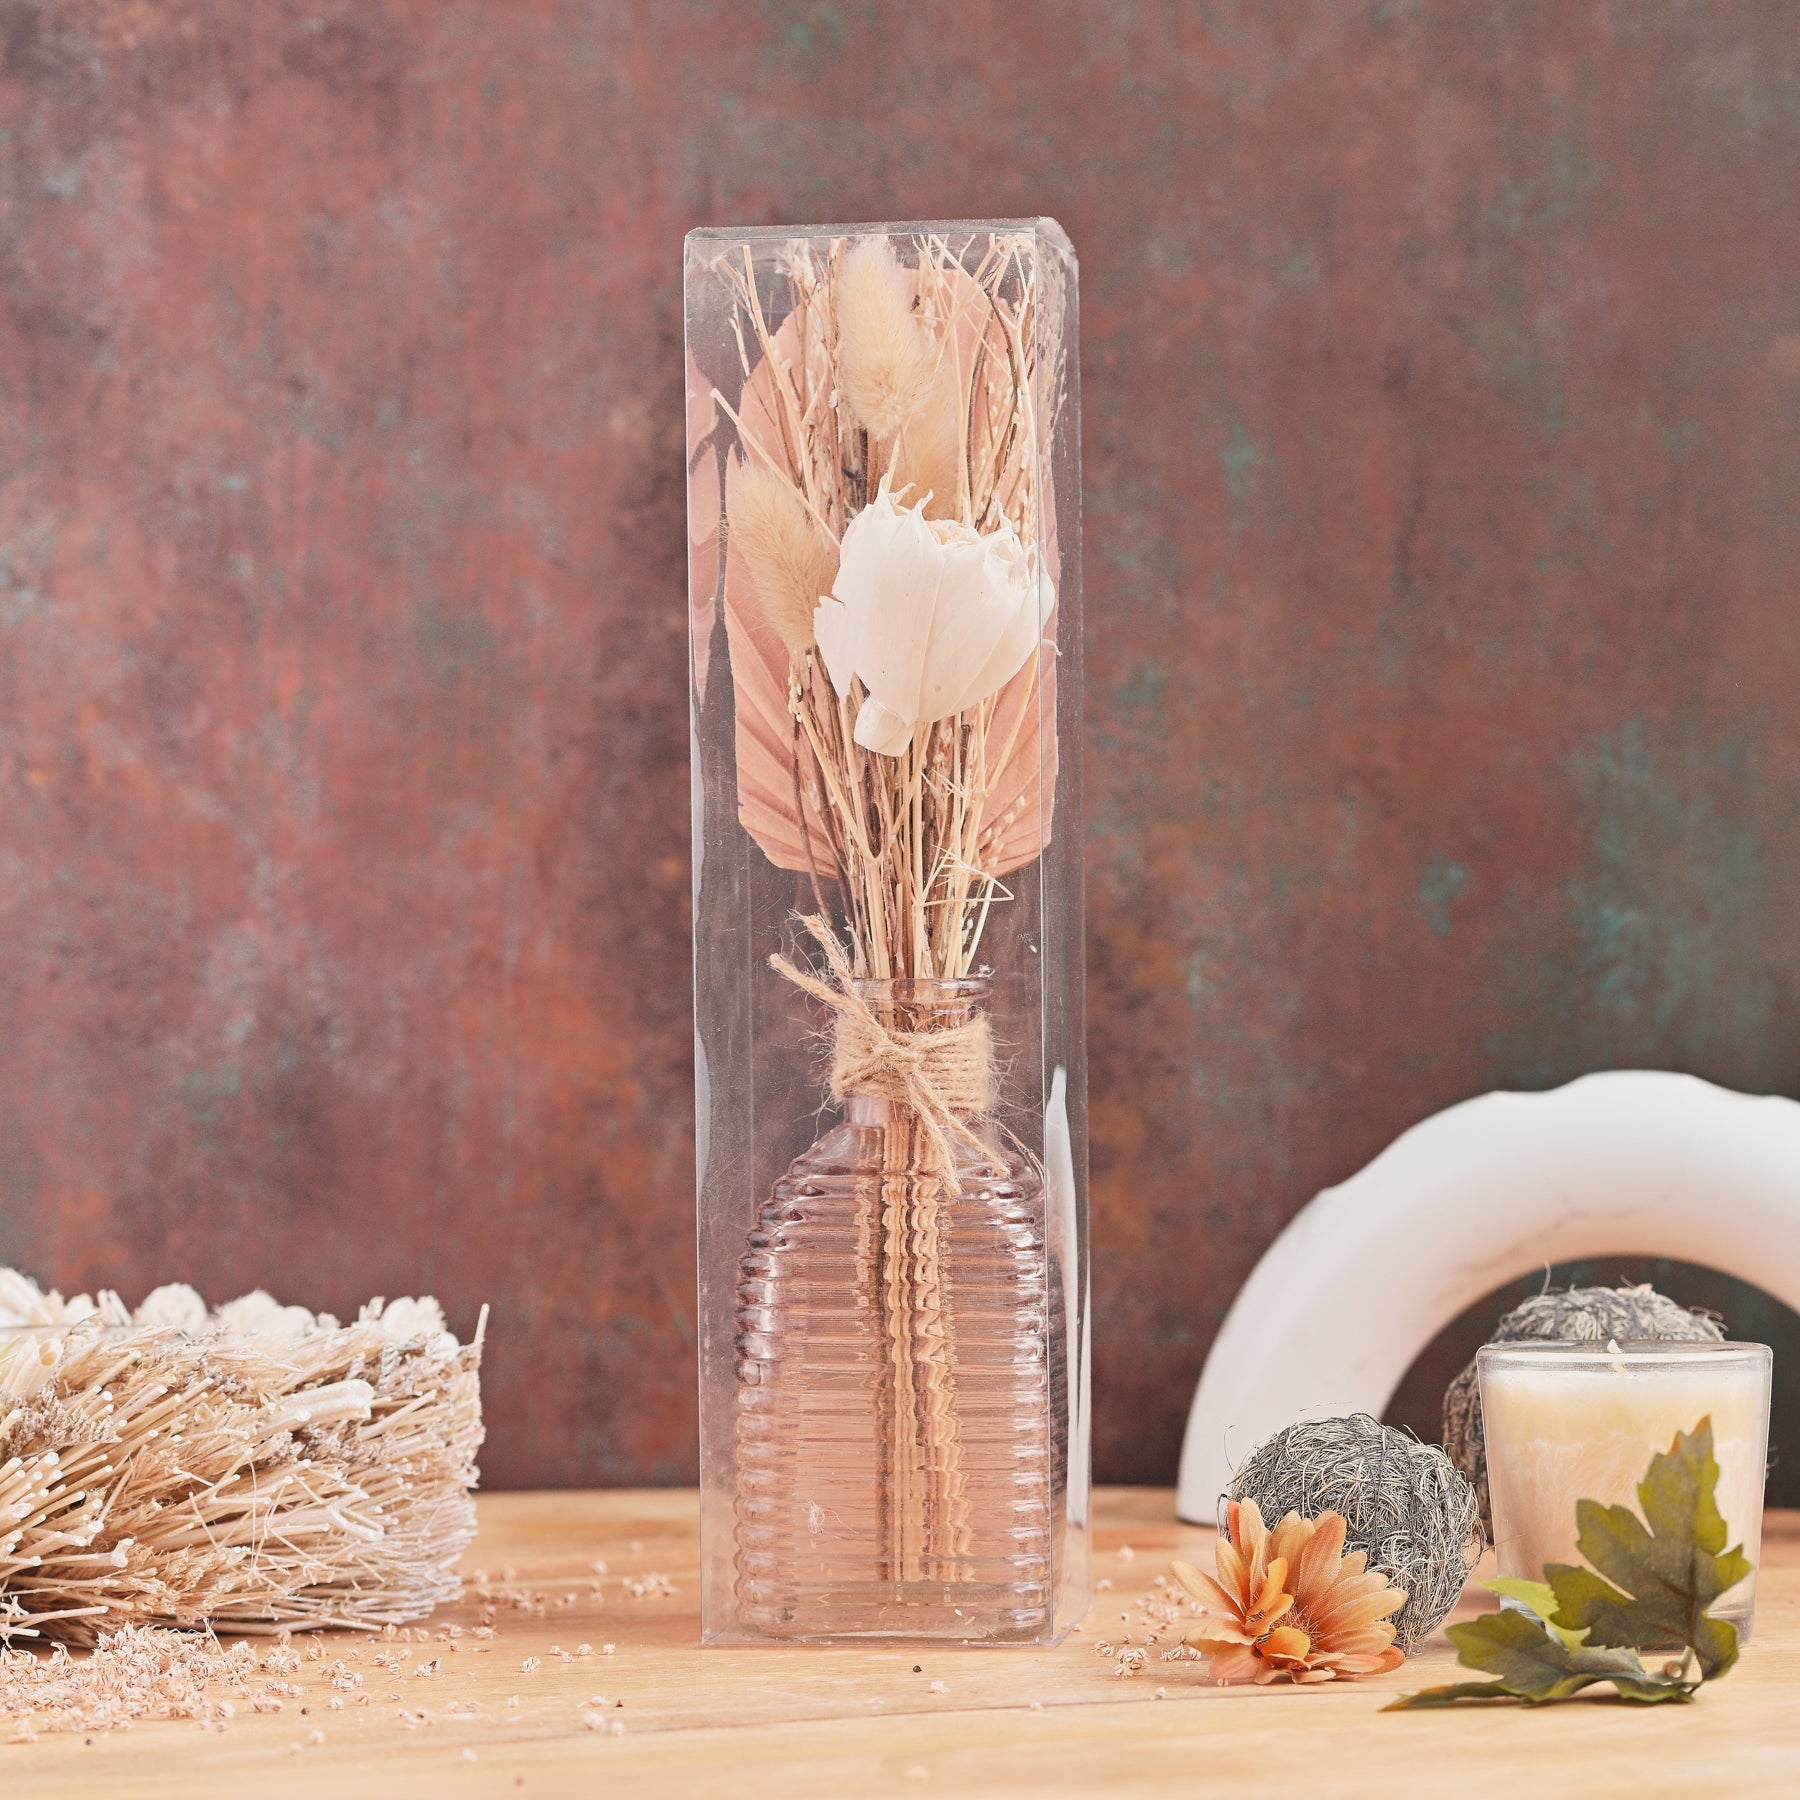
x: 1535, y: 1665
x: 1659, y: 1574
x: 1448, y: 1696
x: 1539, y: 1599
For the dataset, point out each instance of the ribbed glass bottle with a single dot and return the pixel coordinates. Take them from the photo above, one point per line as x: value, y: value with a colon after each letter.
x: 895, y: 1420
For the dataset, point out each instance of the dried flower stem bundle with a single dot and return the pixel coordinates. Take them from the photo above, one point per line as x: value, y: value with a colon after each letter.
x: 261, y: 1470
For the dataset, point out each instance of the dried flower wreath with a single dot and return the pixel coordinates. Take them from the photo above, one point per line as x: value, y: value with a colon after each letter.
x: 251, y: 1469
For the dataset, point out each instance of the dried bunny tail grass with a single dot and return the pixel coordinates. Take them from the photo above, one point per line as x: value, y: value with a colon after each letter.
x: 886, y: 357
x: 929, y: 451
x: 290, y: 1476
x: 790, y: 559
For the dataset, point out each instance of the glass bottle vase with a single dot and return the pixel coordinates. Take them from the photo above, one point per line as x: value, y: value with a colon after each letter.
x: 897, y: 1460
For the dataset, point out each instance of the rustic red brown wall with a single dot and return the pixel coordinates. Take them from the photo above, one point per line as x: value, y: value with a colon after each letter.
x: 1443, y: 483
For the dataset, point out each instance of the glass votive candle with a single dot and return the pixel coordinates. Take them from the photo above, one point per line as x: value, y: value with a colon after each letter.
x: 1566, y: 1422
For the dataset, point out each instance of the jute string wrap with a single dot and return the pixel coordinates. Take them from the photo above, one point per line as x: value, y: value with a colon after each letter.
x: 945, y: 1074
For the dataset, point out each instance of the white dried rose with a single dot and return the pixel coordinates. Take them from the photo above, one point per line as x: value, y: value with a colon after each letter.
x: 931, y: 615
x: 259, y: 1315
x: 174, y: 1304
x: 408, y: 1319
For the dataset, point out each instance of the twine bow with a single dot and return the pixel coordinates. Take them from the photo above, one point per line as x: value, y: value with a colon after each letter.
x: 945, y: 1074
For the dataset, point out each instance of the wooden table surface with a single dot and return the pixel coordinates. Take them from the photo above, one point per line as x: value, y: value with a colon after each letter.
x: 523, y: 1712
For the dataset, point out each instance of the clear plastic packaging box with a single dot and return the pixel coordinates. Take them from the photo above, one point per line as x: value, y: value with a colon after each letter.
x: 885, y: 595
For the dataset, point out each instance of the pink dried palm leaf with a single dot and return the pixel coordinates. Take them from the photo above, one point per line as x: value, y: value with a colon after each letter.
x: 774, y: 785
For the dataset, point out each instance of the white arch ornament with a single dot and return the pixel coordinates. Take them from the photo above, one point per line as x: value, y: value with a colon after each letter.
x: 1632, y: 1162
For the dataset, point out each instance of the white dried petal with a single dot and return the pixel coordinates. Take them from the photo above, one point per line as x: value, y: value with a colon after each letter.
x: 931, y: 616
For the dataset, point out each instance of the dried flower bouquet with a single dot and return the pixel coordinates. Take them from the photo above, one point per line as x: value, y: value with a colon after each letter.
x: 888, y: 605
x: 890, y: 596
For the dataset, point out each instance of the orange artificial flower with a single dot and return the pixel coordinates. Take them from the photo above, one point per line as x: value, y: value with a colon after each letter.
x: 1289, y: 1605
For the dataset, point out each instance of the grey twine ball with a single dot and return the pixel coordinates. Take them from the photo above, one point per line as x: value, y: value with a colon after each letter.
x: 1576, y: 1315
x: 1403, y: 1504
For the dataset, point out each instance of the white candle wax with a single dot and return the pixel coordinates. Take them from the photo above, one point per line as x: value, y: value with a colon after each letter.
x: 1568, y: 1422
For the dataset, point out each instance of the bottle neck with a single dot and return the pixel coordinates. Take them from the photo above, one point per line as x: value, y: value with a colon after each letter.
x: 945, y: 1042
x: 925, y: 1003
